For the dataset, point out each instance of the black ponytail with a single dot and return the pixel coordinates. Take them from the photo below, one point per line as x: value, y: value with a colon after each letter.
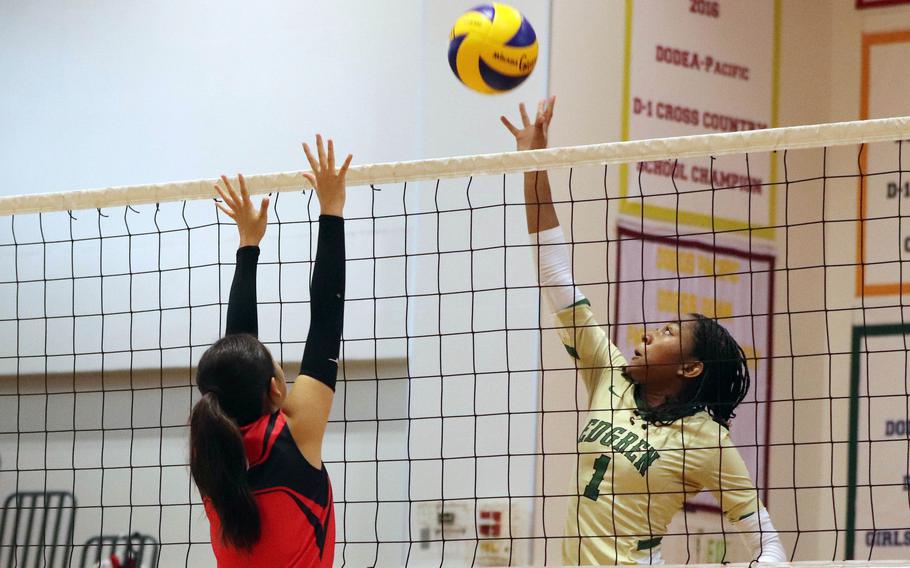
x: 218, y: 465
x: 233, y: 376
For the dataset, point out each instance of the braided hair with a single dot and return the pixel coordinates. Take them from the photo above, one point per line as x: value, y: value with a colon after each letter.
x: 722, y: 385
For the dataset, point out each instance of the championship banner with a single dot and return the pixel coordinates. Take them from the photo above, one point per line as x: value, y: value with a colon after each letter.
x: 883, y: 246
x: 663, y: 278
x: 699, y: 67
x: 878, y: 476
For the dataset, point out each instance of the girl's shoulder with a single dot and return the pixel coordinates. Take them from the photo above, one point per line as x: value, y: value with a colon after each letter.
x: 701, y: 431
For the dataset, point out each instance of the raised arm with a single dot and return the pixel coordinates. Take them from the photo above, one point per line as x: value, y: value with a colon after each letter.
x: 251, y: 224
x: 308, y: 404
x: 539, y: 210
x: 553, y: 255
x: 584, y: 339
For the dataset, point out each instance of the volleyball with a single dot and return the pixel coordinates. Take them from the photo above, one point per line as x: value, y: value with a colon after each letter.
x: 492, y: 48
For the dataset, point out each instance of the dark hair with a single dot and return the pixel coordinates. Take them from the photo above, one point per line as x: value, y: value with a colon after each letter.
x: 722, y: 385
x: 233, y: 376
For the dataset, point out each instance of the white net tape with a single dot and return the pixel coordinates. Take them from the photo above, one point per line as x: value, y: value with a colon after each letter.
x: 774, y: 139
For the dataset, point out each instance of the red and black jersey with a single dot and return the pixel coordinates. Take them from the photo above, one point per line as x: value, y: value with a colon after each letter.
x: 294, y: 498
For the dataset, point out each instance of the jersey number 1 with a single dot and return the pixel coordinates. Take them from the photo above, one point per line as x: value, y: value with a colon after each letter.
x: 592, y: 491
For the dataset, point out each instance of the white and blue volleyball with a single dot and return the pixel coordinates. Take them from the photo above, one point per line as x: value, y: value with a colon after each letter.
x: 492, y: 48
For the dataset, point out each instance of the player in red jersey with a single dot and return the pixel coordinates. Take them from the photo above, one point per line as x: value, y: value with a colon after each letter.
x: 255, y: 447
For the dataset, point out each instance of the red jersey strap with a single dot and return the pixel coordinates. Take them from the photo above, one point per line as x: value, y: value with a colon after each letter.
x: 259, y: 436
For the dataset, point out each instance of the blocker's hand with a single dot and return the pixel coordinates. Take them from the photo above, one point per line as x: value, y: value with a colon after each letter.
x: 328, y: 182
x: 532, y: 136
x: 251, y: 223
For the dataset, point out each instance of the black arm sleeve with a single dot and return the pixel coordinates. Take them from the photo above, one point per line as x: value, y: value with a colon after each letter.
x: 320, y: 356
x: 241, y: 313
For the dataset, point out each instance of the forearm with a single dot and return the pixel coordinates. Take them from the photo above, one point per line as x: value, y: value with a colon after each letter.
x: 761, y: 537
x: 541, y: 214
x: 320, y: 356
x: 553, y: 256
x: 553, y: 266
x: 242, y: 313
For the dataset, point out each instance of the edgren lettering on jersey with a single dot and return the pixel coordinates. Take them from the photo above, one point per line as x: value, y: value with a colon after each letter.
x: 639, y: 452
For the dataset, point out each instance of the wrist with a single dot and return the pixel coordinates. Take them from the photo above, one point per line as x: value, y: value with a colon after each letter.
x: 332, y: 211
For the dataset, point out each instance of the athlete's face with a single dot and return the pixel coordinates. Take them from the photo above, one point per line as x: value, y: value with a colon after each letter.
x: 664, y: 355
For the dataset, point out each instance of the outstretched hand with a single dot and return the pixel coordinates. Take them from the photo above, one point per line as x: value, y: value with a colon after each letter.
x: 328, y: 182
x: 251, y: 222
x: 532, y: 135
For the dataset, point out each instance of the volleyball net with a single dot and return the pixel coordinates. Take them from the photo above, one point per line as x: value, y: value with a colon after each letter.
x: 453, y: 435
